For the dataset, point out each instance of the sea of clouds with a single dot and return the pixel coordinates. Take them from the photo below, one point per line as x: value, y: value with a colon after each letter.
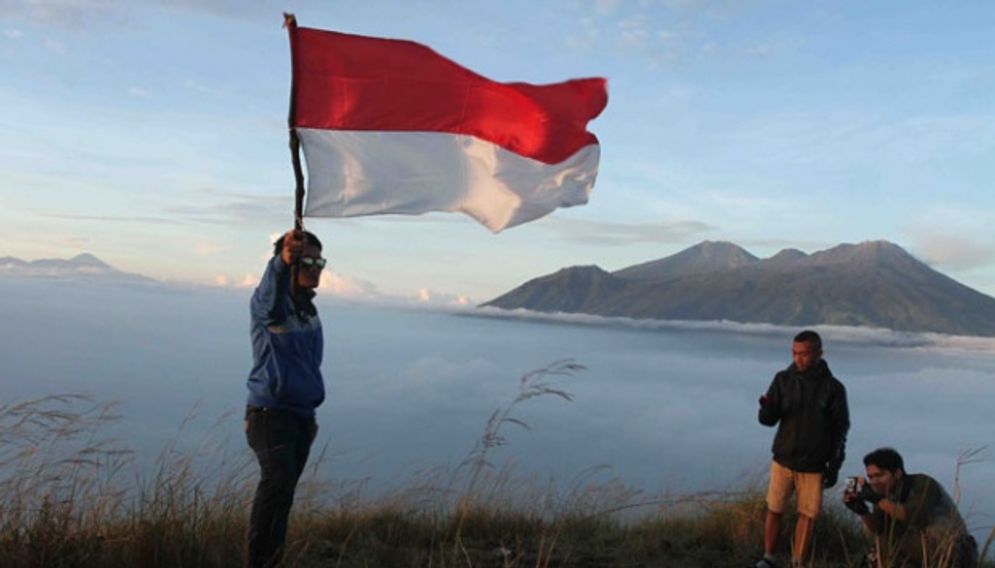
x: 662, y: 406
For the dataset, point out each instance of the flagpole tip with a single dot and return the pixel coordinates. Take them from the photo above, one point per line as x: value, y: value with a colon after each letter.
x: 289, y: 20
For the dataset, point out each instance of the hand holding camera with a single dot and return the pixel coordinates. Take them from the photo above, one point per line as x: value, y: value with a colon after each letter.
x: 851, y: 496
x: 857, y: 494
x: 858, y: 506
x: 866, y: 493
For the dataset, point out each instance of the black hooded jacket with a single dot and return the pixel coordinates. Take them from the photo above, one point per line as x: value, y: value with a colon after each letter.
x: 814, y: 418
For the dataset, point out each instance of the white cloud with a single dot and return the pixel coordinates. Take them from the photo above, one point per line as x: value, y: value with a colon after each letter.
x: 606, y: 6
x: 224, y: 207
x: 661, y: 32
x: 953, y: 252
x: 585, y: 38
x: 137, y: 91
x: 621, y: 234
x: 347, y: 287
x: 426, y: 379
x: 685, y: 4
x: 225, y: 281
x: 760, y: 50
x: 442, y: 299
x: 205, y: 248
x: 55, y: 47
x: 633, y: 31
x: 863, y: 336
x: 13, y: 34
x: 77, y: 241
x: 109, y: 218
x: 65, y: 14
x: 234, y: 9
x: 637, y: 32
x: 952, y: 236
x: 675, y: 94
x: 203, y: 89
x: 88, y: 15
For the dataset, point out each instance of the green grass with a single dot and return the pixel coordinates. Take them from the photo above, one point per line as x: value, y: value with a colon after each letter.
x: 71, y: 498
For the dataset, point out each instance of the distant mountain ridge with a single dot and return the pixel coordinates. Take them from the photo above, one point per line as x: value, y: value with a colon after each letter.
x: 708, y: 256
x: 82, y: 266
x: 874, y: 283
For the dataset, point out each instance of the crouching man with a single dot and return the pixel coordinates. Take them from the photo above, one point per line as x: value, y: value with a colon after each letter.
x: 913, y: 520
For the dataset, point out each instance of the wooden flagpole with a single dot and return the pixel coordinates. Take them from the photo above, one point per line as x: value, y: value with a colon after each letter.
x: 290, y: 22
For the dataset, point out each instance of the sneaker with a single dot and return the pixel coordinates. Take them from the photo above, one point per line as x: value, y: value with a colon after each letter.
x: 765, y: 563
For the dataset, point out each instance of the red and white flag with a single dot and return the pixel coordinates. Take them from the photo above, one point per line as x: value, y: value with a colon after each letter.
x: 390, y: 126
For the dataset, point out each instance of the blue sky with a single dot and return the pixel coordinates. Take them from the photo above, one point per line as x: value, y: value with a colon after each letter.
x: 152, y: 134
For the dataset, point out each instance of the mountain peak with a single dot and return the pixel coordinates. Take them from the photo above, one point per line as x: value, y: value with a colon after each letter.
x: 719, y: 250
x: 715, y: 246
x: 704, y: 257
x: 786, y: 256
x: 881, y: 247
x: 87, y: 259
x: 867, y: 252
x: 588, y: 269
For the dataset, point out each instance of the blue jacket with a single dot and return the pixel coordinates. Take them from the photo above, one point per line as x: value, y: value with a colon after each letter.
x: 287, y: 348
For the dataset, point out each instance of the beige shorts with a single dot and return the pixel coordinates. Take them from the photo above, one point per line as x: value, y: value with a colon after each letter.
x: 807, y: 488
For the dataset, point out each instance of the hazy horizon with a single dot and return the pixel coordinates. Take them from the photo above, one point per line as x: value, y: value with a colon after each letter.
x: 338, y: 288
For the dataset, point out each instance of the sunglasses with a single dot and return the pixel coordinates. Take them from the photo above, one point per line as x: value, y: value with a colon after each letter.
x: 312, y: 262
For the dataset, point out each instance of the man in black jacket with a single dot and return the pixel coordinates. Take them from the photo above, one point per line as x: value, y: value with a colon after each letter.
x: 809, y: 406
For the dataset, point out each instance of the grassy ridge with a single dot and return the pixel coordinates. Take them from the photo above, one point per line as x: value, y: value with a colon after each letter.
x: 70, y: 498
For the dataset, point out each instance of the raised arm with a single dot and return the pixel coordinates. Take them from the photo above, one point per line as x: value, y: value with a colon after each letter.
x: 269, y: 305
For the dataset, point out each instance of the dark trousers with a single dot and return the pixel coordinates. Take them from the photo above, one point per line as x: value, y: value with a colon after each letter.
x: 282, y: 442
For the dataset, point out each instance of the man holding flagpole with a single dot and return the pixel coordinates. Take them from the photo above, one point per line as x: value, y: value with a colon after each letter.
x: 285, y: 386
x: 391, y: 127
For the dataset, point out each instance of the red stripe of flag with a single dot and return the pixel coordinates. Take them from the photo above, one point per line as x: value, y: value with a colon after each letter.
x: 350, y: 82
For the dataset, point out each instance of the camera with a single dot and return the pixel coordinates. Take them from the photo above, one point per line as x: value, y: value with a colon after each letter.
x: 853, y: 485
